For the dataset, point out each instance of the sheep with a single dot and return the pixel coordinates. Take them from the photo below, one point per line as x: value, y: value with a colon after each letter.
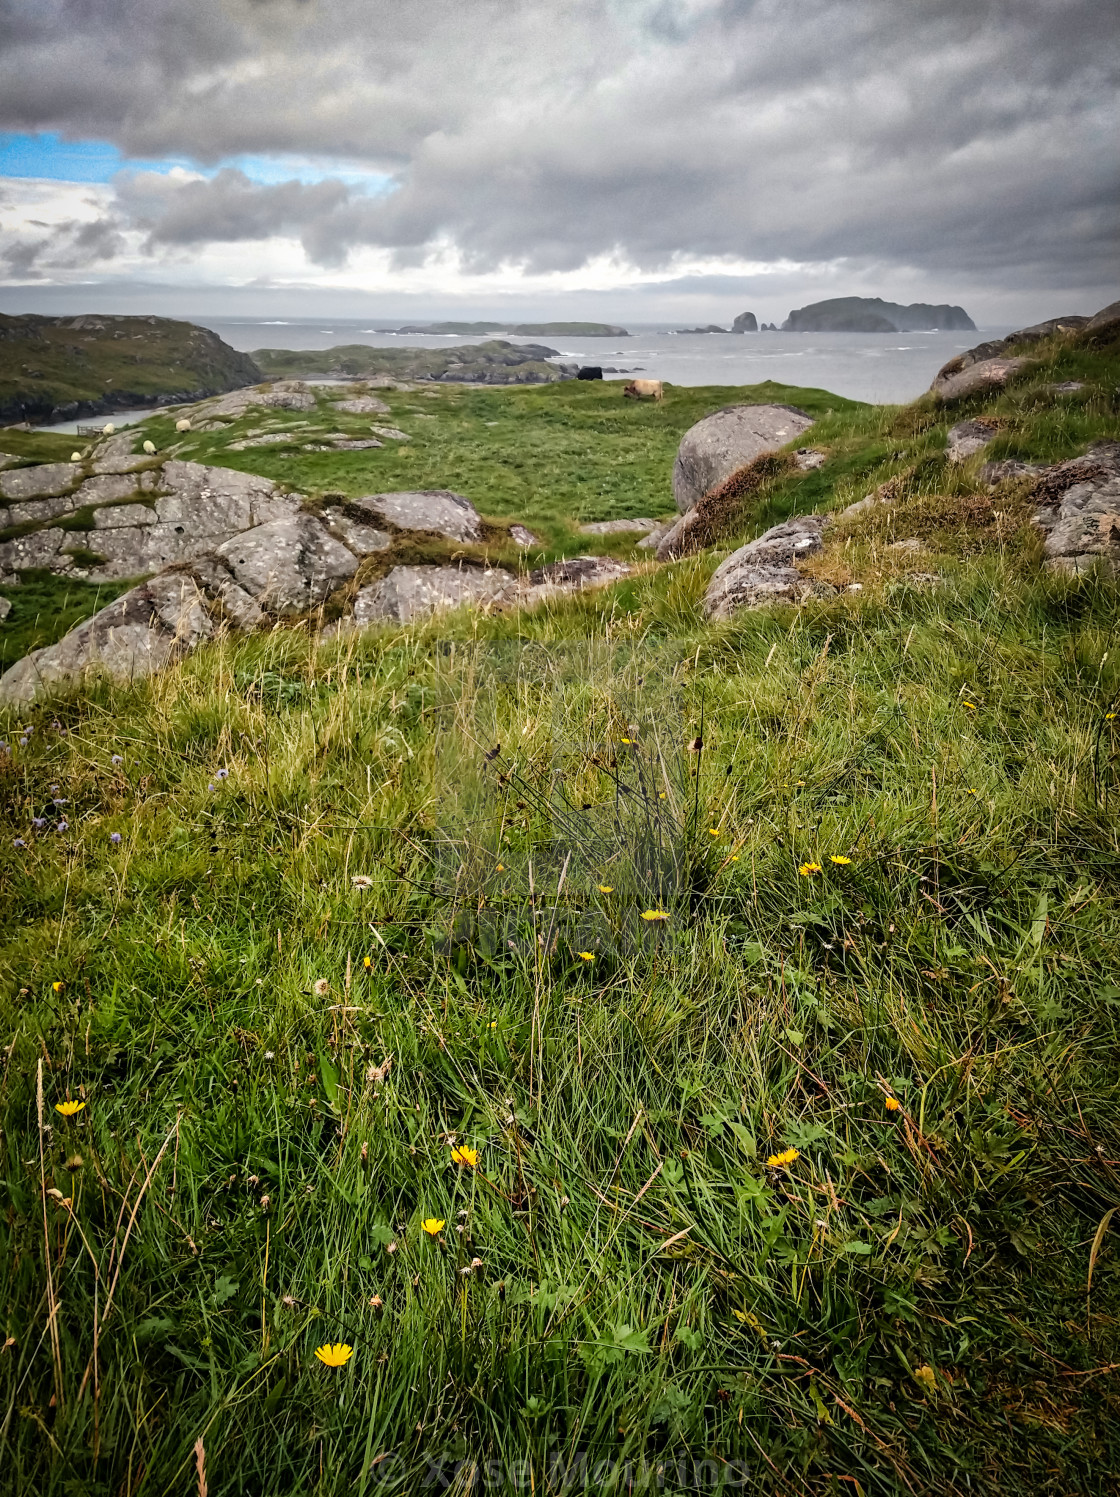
x: 108, y: 429
x: 183, y: 424
x: 150, y: 448
x: 75, y: 457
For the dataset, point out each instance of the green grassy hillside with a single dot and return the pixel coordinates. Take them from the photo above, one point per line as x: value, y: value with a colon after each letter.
x: 69, y: 366
x: 650, y: 1046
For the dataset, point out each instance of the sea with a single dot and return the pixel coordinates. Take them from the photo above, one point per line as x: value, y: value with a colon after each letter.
x: 883, y: 368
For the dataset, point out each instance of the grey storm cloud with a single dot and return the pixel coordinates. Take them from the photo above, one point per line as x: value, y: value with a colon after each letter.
x: 959, y: 136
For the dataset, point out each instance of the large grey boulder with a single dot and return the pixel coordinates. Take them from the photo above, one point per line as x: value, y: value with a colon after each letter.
x: 362, y: 405
x: 40, y: 548
x: 1106, y: 320
x: 363, y: 540
x: 409, y: 593
x: 727, y: 440
x: 952, y: 383
x: 37, y: 509
x: 134, y: 636
x: 1085, y: 531
x: 448, y: 514
x: 288, y: 565
x: 115, y: 455
x: 967, y: 438
x: 575, y: 574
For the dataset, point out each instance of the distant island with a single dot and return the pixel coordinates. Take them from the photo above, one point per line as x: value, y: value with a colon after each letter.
x: 871, y: 314
x: 744, y: 323
x: 493, y: 363
x: 519, y: 329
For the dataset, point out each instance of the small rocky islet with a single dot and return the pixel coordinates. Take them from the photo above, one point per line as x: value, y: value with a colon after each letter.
x: 223, y: 550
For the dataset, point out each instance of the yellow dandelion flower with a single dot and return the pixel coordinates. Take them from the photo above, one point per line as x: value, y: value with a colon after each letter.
x: 780, y: 1161
x: 713, y: 831
x: 606, y: 888
x: 839, y: 859
x: 626, y: 740
x: 367, y: 962
x: 655, y: 916
x: 501, y: 868
x: 464, y: 1155
x: 433, y: 1226
x: 586, y: 956
x: 892, y: 1104
x: 493, y: 1023
x: 68, y: 1109
x: 57, y: 987
x: 808, y: 869
x: 973, y: 791
x: 970, y: 705
x: 334, y: 1356
x: 661, y: 795
x: 1109, y: 716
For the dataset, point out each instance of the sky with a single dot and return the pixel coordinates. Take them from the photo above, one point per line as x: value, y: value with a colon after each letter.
x: 626, y: 160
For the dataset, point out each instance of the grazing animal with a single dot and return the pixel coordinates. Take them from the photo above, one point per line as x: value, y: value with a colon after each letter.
x: 590, y: 371
x: 149, y: 448
x: 183, y: 424
x: 638, y: 389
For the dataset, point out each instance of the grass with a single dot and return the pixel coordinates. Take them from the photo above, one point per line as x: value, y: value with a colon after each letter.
x: 285, y: 998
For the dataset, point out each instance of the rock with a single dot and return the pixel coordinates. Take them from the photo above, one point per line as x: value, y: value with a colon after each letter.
x: 448, y: 514
x: 354, y: 444
x: 1008, y: 467
x: 985, y: 375
x: 656, y: 535
x: 38, y: 549
x: 912, y: 546
x: 34, y: 483
x: 1067, y: 387
x: 363, y: 540
x: 8, y: 460
x: 103, y: 489
x: 967, y: 438
x: 871, y: 314
x: 618, y: 527
x: 288, y: 565
x: 115, y: 455
x: 762, y: 571
x: 284, y: 395
x: 675, y: 540
x: 577, y: 573
x: 1107, y: 320
x: 391, y: 433
x: 409, y: 593
x: 727, y: 440
x: 1086, y: 530
x: 236, y: 605
x: 134, y: 636
x: 37, y: 509
x: 746, y: 322
x: 268, y: 439
x: 5, y: 608
x: 362, y: 405
x: 522, y: 537
x: 808, y: 459
x: 735, y: 586
x: 120, y: 516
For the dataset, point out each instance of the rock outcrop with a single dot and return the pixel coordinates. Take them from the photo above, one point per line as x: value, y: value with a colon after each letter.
x: 439, y: 510
x: 409, y: 593
x: 1079, y: 511
x: 727, y: 440
x: 968, y: 438
x: 746, y: 322
x: 992, y: 364
x: 871, y: 314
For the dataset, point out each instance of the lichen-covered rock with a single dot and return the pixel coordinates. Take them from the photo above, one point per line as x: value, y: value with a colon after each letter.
x: 727, y: 440
x: 362, y: 405
x: 134, y: 636
x: 784, y: 544
x: 1086, y: 530
x: 409, y: 593
x: 735, y: 586
x: 115, y: 455
x: 952, y: 384
x: 41, y: 548
x: 288, y: 565
x: 967, y: 438
x: 576, y: 573
x: 35, y: 483
x: 618, y: 527
x: 448, y: 514
x: 37, y: 509
x: 122, y: 516
x: 520, y: 536
x: 363, y: 540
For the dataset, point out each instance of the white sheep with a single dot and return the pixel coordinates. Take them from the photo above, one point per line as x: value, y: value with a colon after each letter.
x: 108, y: 429
x: 149, y: 448
x: 75, y: 457
x: 183, y: 424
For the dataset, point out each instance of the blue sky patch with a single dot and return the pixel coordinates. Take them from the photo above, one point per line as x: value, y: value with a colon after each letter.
x: 47, y: 156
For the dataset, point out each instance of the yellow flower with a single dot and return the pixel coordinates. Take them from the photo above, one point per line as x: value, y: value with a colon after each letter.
x: 713, y: 831
x: 1109, y: 716
x: 970, y: 705
x: 433, y: 1226
x: 586, y: 956
x: 892, y: 1104
x: 606, y: 888
x: 334, y: 1356
x: 367, y: 962
x: 973, y: 792
x: 779, y: 1161
x: 626, y: 740
x: 501, y: 868
x: 655, y: 915
x: 68, y: 1109
x: 839, y: 859
x: 808, y: 869
x: 465, y: 1155
x: 493, y: 1023
x: 661, y: 795
x: 57, y: 987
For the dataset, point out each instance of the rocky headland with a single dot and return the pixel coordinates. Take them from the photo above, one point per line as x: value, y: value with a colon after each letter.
x: 871, y: 314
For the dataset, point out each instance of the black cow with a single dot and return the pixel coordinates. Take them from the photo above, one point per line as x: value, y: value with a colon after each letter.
x: 590, y: 371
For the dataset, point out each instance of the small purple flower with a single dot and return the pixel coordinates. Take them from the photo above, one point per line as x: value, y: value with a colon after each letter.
x: 54, y: 788
x: 117, y: 759
x: 19, y: 842
x: 58, y: 802
x: 38, y: 822
x: 4, y: 746
x: 223, y: 774
x: 24, y: 742
x: 211, y: 785
x: 63, y: 826
x: 115, y: 838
